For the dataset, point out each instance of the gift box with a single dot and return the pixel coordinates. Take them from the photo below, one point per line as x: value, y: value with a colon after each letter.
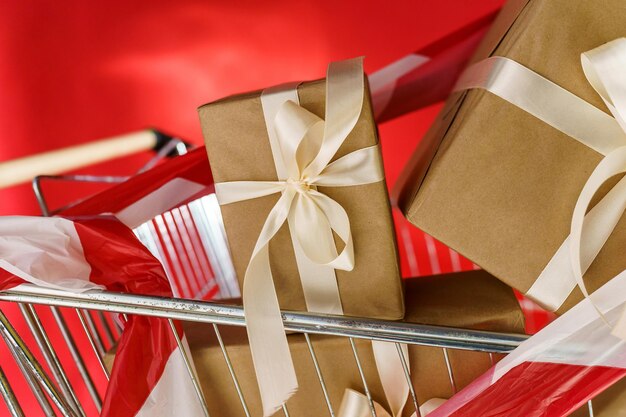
x: 499, y: 184
x: 300, y: 182
x: 239, y: 149
x: 473, y: 300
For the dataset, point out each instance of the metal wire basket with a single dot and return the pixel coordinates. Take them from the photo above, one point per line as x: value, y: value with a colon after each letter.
x: 191, y: 243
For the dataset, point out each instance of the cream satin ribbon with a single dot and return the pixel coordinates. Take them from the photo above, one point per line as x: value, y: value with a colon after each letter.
x: 319, y: 282
x: 391, y: 374
x: 605, y: 69
x: 355, y: 404
x: 307, y: 146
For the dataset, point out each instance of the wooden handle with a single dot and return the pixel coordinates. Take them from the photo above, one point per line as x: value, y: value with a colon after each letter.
x: 24, y: 169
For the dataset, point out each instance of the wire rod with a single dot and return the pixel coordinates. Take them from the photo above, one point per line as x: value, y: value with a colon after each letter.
x: 206, y: 312
x: 51, y: 357
x: 13, y: 339
x: 9, y: 396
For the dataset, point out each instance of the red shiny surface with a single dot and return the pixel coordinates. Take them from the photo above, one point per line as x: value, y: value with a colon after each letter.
x: 538, y: 389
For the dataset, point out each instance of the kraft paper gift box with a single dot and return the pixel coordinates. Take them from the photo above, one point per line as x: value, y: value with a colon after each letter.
x: 496, y: 183
x: 473, y: 300
x: 300, y: 182
x: 236, y: 137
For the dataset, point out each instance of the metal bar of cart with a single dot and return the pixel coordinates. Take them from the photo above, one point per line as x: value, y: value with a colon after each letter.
x: 45, y: 346
x: 32, y: 383
x: 199, y: 251
x: 208, y: 312
x: 12, y: 339
x: 9, y: 397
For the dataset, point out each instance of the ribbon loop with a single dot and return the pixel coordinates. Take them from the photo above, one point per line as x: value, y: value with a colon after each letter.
x: 312, y: 230
x: 293, y: 124
x: 344, y: 101
x: 355, y: 170
x: 338, y: 221
x: 604, y: 68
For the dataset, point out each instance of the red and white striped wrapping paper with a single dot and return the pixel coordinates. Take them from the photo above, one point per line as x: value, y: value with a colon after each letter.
x: 152, y: 192
x: 149, y: 377
x: 557, y: 370
x: 160, y: 204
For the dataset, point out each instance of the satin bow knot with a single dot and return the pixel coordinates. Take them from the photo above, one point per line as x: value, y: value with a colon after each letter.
x: 299, y: 186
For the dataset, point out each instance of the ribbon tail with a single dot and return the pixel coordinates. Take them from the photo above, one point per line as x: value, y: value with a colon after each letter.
x: 272, y: 361
x: 391, y: 373
x: 619, y: 330
x: 274, y: 368
x: 234, y: 191
x: 557, y: 280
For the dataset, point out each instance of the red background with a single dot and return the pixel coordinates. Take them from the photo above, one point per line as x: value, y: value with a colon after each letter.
x: 76, y: 71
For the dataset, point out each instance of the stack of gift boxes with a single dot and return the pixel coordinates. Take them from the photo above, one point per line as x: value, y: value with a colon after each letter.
x: 237, y: 133
x: 472, y: 300
x: 495, y: 179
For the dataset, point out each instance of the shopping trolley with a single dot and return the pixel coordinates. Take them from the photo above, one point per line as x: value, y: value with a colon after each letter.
x: 191, y: 243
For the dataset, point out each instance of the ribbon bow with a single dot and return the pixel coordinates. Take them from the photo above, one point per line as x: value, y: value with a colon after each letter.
x: 605, y: 69
x: 307, y: 144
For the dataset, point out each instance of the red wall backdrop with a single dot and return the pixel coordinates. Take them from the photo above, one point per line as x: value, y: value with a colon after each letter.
x: 76, y: 71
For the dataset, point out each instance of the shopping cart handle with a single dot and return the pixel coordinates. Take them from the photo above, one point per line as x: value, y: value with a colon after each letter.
x: 164, y: 139
x: 24, y: 169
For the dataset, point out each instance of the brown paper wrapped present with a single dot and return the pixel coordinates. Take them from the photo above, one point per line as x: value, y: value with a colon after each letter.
x: 498, y: 184
x: 473, y: 300
x: 237, y: 142
x: 300, y: 181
